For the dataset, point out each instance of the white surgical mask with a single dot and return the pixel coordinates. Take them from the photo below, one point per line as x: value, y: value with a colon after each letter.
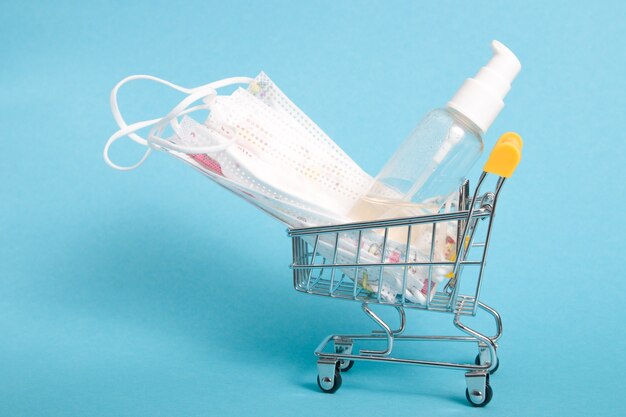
x: 258, y: 144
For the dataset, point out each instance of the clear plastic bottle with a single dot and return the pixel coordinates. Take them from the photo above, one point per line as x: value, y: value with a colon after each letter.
x: 433, y: 161
x: 428, y: 166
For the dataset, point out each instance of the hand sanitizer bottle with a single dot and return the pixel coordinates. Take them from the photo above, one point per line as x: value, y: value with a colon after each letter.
x: 433, y: 161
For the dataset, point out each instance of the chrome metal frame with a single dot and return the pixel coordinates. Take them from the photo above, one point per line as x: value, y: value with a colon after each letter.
x: 313, y: 274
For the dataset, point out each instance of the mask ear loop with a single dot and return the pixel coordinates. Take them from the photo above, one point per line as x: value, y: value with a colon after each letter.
x: 206, y: 92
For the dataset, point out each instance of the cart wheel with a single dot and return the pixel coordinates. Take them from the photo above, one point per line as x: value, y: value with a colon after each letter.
x: 325, y: 385
x: 487, y: 397
x: 493, y: 371
x: 345, y: 365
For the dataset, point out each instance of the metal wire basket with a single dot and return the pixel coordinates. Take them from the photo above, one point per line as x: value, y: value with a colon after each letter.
x: 329, y: 261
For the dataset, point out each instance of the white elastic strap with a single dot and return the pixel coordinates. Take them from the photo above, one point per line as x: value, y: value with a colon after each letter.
x: 206, y: 92
x: 127, y: 131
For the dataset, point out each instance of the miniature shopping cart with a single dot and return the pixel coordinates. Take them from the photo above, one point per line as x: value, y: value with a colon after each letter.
x: 321, y: 267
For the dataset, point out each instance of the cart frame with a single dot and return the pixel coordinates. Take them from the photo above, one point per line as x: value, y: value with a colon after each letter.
x: 335, y: 353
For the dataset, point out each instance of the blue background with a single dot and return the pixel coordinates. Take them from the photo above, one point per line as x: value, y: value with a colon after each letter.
x: 157, y: 293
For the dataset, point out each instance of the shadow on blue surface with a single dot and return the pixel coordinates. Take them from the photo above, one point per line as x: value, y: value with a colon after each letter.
x: 167, y: 276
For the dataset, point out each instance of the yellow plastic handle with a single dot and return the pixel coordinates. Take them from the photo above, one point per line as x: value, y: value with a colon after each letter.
x: 505, y: 156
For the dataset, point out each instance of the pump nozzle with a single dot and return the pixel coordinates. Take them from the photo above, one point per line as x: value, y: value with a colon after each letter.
x: 480, y: 98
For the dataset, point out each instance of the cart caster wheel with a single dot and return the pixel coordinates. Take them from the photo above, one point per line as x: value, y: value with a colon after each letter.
x: 328, y: 386
x: 345, y: 365
x: 485, y: 398
x: 343, y: 346
x: 493, y: 371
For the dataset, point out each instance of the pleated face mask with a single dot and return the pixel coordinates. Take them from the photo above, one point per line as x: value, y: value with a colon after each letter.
x: 257, y: 143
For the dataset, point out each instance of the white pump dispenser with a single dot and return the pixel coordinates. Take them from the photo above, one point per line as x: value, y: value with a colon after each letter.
x: 480, y: 98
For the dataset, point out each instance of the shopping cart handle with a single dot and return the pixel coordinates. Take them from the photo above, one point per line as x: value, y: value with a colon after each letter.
x: 505, y: 156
